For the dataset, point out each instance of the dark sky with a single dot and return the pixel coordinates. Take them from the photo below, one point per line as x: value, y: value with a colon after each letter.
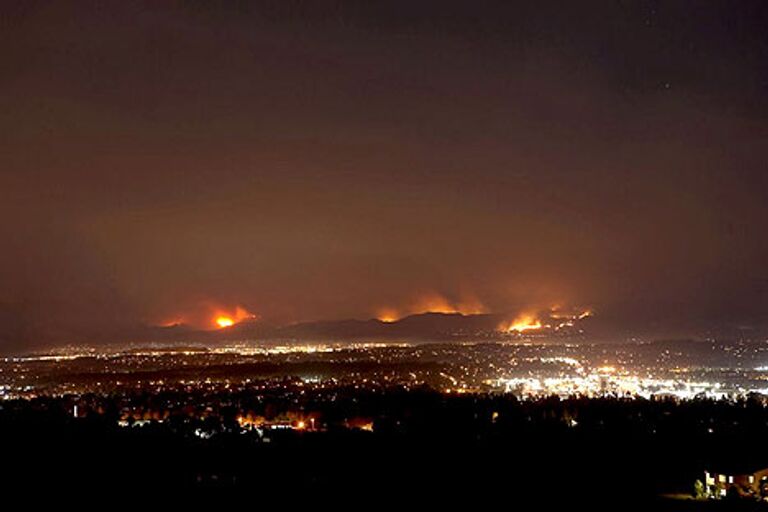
x: 330, y: 159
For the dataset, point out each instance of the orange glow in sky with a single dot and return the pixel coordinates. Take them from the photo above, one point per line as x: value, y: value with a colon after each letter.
x: 388, y: 315
x: 432, y: 302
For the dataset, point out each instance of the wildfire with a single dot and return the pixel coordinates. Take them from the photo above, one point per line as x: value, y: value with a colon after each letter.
x: 432, y: 302
x: 524, y: 323
x: 172, y: 323
x: 555, y: 319
x: 388, y: 315
x: 224, y: 319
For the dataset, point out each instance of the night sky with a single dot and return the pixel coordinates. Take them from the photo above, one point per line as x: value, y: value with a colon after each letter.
x: 302, y: 160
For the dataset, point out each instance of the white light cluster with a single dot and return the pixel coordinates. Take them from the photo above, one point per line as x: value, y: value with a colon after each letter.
x: 597, y: 384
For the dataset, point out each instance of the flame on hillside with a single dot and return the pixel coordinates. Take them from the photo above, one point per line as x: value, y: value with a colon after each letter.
x: 556, y: 319
x: 223, y: 318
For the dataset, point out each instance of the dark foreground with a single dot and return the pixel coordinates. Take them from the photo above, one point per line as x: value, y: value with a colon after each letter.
x: 426, y: 448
